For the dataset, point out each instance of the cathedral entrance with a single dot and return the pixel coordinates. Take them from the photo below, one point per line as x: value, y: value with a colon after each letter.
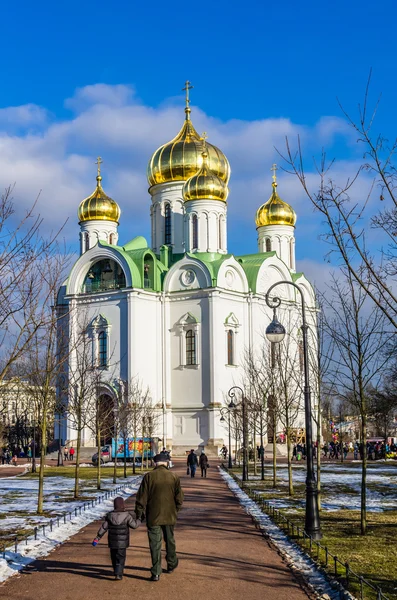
x: 105, y: 418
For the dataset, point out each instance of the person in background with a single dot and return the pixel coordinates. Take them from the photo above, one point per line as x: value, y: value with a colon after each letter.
x: 160, y: 498
x: 203, y: 463
x: 117, y: 524
x: 65, y: 453
x: 192, y: 462
x: 71, y: 453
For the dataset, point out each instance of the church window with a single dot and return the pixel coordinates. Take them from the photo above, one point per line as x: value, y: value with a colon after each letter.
x: 167, y: 224
x: 111, y: 238
x: 190, y: 348
x: 268, y: 245
x: 230, y: 347
x: 102, y: 349
x: 291, y: 253
x: 104, y: 275
x: 86, y: 241
x: 220, y: 233
x: 195, y: 232
x: 148, y: 272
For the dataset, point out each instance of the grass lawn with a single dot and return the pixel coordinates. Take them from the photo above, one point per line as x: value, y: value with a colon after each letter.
x: 373, y: 556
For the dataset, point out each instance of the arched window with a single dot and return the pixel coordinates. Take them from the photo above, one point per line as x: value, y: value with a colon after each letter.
x: 102, y: 349
x: 268, y: 245
x: 104, y: 275
x: 86, y: 242
x: 111, y: 238
x: 230, y: 347
x: 190, y: 347
x: 167, y: 224
x: 291, y: 253
x: 148, y: 272
x: 195, y: 232
x: 220, y: 224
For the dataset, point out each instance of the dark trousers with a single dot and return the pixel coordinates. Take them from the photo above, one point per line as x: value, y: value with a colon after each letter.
x: 203, y: 471
x: 118, y: 559
x: 156, y: 535
x: 193, y: 470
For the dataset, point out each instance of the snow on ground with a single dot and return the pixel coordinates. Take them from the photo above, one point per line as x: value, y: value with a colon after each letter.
x: 12, y: 563
x: 337, y: 474
x: 292, y: 553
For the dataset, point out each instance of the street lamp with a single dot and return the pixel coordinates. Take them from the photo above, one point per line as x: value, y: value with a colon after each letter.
x: 229, y: 409
x: 275, y: 333
x: 232, y: 394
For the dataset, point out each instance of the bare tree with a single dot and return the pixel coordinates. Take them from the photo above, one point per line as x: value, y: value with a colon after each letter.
x: 139, y: 405
x: 373, y: 267
x: 359, y: 331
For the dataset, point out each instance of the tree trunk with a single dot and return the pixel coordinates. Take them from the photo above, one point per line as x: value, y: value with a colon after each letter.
x: 115, y: 455
x: 254, y: 448
x: 289, y: 459
x: 125, y: 459
x: 318, y: 459
x: 363, y: 520
x: 274, y: 451
x: 77, y: 468
x: 40, y: 499
x: 98, y: 467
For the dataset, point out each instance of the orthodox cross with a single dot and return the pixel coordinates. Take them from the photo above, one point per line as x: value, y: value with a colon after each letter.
x: 188, y: 86
x: 274, y: 176
x: 99, y: 161
x: 204, y: 137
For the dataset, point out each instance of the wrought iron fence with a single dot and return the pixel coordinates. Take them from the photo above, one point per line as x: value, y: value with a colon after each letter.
x: 20, y: 539
x: 340, y: 569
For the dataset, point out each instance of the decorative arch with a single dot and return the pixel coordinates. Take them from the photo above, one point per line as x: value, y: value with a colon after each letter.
x: 177, y: 278
x: 231, y: 276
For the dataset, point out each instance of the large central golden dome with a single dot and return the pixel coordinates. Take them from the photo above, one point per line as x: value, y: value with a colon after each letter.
x: 181, y: 158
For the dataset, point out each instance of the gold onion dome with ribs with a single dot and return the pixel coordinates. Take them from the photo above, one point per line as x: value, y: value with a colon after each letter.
x: 181, y: 158
x: 275, y: 211
x: 205, y: 185
x: 98, y: 206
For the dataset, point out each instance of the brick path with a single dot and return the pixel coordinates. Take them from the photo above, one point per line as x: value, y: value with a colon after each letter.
x: 221, y: 556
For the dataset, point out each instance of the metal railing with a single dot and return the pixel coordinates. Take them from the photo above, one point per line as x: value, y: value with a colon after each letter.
x: 57, y: 521
x: 340, y: 569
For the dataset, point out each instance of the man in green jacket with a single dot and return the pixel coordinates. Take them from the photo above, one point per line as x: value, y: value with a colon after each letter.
x: 159, y: 499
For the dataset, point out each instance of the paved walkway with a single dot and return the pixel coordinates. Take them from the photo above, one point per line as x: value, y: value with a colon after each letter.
x: 222, y: 556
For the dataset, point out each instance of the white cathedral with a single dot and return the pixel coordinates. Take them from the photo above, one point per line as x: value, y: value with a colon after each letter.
x: 180, y: 313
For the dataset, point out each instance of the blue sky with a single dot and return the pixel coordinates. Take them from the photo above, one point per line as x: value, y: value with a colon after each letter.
x: 87, y: 78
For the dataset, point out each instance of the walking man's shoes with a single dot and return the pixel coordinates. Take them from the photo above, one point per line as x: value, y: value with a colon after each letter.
x: 155, y: 578
x: 118, y: 577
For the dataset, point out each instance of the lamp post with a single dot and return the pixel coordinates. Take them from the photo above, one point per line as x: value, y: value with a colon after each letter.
x: 232, y: 394
x: 229, y: 409
x: 275, y: 333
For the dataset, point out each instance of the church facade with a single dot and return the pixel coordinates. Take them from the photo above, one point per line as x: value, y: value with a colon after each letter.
x: 181, y: 312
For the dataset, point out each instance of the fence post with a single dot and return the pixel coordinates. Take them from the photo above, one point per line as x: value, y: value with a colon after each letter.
x: 16, y: 545
x: 347, y: 575
x: 311, y: 543
x: 336, y: 566
x: 43, y: 529
x: 4, y: 551
x: 35, y: 533
x: 378, y: 593
x: 361, y: 588
x: 50, y: 524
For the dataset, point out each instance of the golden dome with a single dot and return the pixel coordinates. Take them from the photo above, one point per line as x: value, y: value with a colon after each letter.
x: 98, y: 206
x: 180, y: 159
x: 275, y: 211
x: 205, y: 185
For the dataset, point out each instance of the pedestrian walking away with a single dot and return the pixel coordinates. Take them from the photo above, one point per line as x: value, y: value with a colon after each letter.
x: 203, y: 461
x: 118, y: 524
x: 159, y: 499
x: 71, y: 453
x: 192, y: 463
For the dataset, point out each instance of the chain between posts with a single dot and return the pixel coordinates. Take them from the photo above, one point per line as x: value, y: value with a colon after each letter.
x: 347, y: 574
x: 52, y: 523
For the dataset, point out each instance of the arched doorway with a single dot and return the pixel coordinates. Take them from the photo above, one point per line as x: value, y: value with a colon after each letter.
x: 105, y: 418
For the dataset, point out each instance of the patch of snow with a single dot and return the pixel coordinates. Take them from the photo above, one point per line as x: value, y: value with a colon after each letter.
x: 297, y: 559
x: 14, y: 562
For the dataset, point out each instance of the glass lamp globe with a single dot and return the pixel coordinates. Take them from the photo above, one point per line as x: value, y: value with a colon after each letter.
x: 275, y: 332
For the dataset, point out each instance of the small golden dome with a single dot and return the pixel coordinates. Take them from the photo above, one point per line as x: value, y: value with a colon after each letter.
x: 205, y: 185
x: 98, y: 206
x: 180, y: 159
x: 275, y: 211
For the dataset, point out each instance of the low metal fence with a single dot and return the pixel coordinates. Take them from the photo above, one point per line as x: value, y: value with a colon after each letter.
x: 56, y: 521
x: 340, y: 569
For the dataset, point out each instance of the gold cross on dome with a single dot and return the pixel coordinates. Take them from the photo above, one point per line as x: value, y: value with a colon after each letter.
x: 274, y: 169
x: 188, y: 86
x: 99, y: 161
x: 204, y: 137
